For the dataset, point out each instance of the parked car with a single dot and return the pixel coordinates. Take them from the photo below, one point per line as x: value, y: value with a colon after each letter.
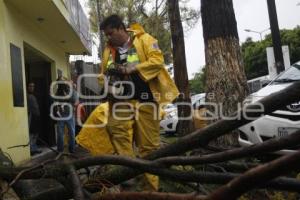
x: 170, y: 120
x: 279, y: 123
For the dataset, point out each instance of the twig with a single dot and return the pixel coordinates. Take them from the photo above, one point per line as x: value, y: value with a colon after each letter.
x: 218, y: 167
x: 202, y: 189
x: 34, y: 167
x: 21, y: 173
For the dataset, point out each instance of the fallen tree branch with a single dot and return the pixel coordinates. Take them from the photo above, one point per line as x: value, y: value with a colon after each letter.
x: 184, y: 176
x: 256, y: 177
x: 76, y: 184
x: 202, y: 137
x: 58, y: 170
x: 26, y: 170
x: 148, y: 196
x: 269, y: 146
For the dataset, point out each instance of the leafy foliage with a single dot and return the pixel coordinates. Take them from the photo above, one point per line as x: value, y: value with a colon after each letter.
x: 255, y: 56
x: 197, y: 84
x: 152, y: 15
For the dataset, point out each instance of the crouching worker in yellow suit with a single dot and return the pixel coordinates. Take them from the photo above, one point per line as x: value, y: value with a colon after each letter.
x: 133, y: 58
x: 93, y: 135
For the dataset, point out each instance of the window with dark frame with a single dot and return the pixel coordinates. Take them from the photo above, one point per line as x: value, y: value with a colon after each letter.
x: 17, y: 75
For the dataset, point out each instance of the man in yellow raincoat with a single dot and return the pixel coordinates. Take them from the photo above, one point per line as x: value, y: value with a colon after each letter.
x: 133, y: 112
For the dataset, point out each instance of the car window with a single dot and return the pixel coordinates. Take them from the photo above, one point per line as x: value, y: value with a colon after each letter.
x: 290, y: 75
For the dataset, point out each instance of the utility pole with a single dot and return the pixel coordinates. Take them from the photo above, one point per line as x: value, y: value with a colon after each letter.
x: 275, y: 36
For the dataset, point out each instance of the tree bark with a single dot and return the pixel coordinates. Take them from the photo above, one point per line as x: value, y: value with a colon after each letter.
x: 184, y: 127
x: 226, y: 83
x: 76, y: 184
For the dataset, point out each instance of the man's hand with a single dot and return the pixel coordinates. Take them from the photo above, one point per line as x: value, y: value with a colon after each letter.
x: 128, y: 69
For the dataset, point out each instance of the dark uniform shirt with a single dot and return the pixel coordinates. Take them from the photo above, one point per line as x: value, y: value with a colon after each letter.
x: 142, y: 90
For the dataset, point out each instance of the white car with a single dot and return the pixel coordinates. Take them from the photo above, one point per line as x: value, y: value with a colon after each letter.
x: 279, y: 123
x: 169, y: 123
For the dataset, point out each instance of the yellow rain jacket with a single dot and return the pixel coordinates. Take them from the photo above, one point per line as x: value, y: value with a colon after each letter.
x: 150, y: 68
x: 93, y: 135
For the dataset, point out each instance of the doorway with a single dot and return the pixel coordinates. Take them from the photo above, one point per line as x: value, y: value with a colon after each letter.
x: 38, y: 70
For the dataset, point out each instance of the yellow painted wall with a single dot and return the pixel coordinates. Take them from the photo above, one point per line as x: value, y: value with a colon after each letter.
x: 16, y: 29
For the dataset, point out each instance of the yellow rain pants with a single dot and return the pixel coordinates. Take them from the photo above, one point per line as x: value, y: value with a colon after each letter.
x: 127, y: 126
x: 139, y: 123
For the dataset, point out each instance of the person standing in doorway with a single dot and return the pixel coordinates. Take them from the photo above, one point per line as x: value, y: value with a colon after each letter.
x: 33, y: 118
x: 64, y: 114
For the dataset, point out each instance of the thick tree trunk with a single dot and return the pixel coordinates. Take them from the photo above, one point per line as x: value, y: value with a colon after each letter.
x: 226, y: 83
x: 180, y: 71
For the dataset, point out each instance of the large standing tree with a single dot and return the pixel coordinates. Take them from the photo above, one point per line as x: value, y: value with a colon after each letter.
x: 180, y: 70
x: 226, y: 83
